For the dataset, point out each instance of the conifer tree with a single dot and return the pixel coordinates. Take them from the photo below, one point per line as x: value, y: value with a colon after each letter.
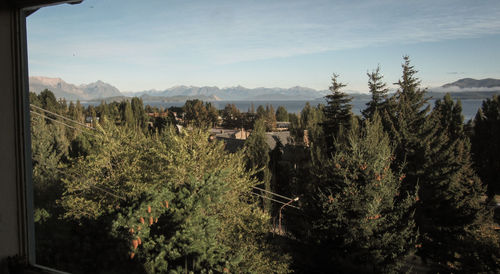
x: 195, y: 113
x: 127, y: 115
x: 485, y: 144
x: 212, y: 114
x: 270, y: 118
x: 378, y: 90
x: 406, y: 121
x: 308, y: 126
x: 359, y: 219
x: 138, y: 111
x: 79, y: 112
x: 232, y: 117
x: 281, y: 114
x: 452, y: 217
x: 257, y: 155
x: 338, y: 115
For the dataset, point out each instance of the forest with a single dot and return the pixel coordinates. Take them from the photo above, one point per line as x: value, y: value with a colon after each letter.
x: 404, y: 187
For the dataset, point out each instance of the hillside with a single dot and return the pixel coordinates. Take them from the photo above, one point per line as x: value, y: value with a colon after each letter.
x: 83, y: 92
x: 473, y: 83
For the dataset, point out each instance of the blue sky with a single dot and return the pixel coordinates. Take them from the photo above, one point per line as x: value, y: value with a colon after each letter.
x: 156, y: 44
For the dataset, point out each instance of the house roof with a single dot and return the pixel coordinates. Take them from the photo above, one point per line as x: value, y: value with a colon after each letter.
x: 273, y: 138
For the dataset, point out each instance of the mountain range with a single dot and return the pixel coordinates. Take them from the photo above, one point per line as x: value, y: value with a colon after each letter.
x: 84, y: 92
x: 466, y: 88
x: 473, y: 83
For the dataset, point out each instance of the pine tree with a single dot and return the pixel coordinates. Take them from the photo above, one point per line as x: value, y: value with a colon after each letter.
x: 338, y: 115
x: 406, y: 121
x: 308, y: 126
x: 212, y: 114
x: 257, y: 155
x: 196, y: 114
x: 485, y: 144
x: 281, y: 114
x: 378, y: 90
x: 79, y: 112
x: 451, y: 212
x: 270, y: 118
x: 127, y: 115
x: 359, y: 217
x: 232, y: 117
x: 139, y: 113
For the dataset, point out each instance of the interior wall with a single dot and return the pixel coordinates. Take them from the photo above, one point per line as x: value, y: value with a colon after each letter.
x: 15, y: 206
x: 9, y: 223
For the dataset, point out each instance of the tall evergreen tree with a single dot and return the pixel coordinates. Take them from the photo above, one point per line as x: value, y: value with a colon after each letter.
x: 232, y: 117
x: 338, y: 115
x: 139, y: 113
x: 451, y: 213
x: 359, y: 220
x: 257, y: 154
x: 307, y: 128
x: 485, y: 144
x: 378, y: 90
x: 406, y: 121
x: 281, y: 114
x: 127, y: 114
x: 196, y: 114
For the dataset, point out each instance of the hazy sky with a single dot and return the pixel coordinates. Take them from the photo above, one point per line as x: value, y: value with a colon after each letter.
x: 139, y: 45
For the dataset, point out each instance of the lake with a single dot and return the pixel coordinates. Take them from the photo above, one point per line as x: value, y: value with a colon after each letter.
x: 469, y: 106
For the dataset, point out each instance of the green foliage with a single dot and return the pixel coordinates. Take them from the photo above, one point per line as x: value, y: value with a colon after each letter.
x: 358, y: 217
x: 281, y: 114
x: 139, y: 113
x: 307, y: 128
x: 407, y: 123
x: 452, y: 215
x: 267, y: 115
x: 485, y: 144
x: 257, y: 157
x: 379, y: 90
x: 232, y: 117
x: 338, y: 115
x: 127, y: 114
x: 211, y: 222
x: 200, y: 115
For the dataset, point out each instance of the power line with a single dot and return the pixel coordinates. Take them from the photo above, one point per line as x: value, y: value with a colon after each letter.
x: 62, y: 123
x: 110, y: 193
x: 270, y: 192
x: 58, y: 115
x: 256, y: 194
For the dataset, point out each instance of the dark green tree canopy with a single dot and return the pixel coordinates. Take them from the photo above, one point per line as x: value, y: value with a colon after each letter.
x: 337, y: 114
x: 378, y: 90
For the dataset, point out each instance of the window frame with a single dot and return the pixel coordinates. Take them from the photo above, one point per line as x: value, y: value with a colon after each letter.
x: 19, y: 11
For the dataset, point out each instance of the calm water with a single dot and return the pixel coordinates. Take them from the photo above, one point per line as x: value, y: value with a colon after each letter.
x: 469, y: 107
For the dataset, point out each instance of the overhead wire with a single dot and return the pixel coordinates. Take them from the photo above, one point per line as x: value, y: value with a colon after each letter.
x: 256, y: 194
x: 60, y: 116
x: 62, y: 123
x: 273, y: 193
x: 109, y: 192
x: 117, y: 196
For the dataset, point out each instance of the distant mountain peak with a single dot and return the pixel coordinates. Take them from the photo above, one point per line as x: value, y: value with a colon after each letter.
x: 51, y: 81
x: 61, y: 89
x: 473, y: 83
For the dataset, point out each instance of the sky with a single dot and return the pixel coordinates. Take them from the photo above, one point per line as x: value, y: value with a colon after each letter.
x: 157, y: 44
